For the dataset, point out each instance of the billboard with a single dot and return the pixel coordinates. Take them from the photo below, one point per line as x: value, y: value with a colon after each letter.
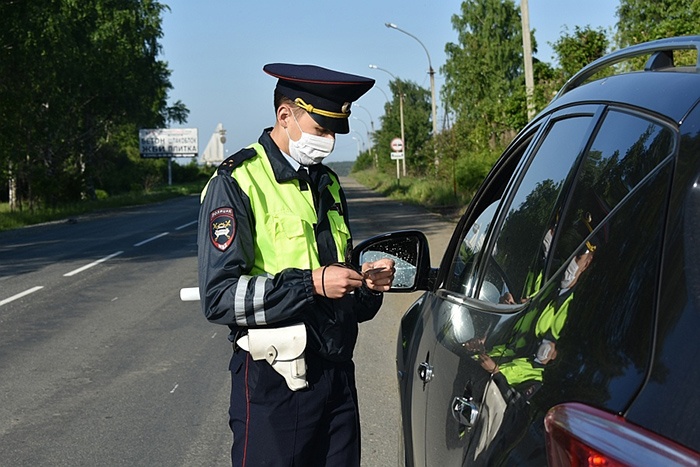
x: 168, y: 142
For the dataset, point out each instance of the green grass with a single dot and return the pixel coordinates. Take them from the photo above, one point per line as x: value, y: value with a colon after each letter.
x: 436, y: 195
x: 17, y: 219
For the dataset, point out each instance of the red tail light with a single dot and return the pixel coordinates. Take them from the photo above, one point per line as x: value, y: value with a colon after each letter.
x: 581, y: 436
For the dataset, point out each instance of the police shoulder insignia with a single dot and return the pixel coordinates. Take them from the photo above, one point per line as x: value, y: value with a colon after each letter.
x: 222, y: 227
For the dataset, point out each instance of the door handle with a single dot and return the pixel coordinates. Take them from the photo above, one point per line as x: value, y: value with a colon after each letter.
x: 465, y: 411
x: 425, y: 372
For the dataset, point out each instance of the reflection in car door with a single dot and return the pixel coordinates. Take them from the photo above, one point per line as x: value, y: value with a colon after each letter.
x: 422, y: 326
x: 485, y: 293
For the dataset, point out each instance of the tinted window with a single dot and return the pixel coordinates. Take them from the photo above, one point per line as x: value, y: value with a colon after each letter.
x: 604, y: 340
x: 588, y: 339
x: 461, y: 272
x: 608, y: 253
x: 625, y: 150
x: 514, y: 269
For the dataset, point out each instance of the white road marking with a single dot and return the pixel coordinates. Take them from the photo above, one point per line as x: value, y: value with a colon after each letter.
x: 151, y: 239
x: 95, y: 263
x: 21, y: 294
x: 185, y: 225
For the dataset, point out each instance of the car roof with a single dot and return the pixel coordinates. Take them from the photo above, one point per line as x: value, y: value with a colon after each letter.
x: 668, y: 93
x: 668, y: 90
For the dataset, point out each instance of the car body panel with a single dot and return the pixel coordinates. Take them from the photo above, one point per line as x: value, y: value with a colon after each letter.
x: 669, y: 403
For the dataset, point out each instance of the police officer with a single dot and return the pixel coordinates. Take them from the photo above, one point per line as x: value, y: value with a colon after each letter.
x: 273, y: 243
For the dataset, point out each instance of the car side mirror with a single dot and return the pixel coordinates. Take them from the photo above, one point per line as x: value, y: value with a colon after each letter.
x: 410, y: 252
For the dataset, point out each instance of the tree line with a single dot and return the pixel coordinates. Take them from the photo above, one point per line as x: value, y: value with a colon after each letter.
x: 484, y: 99
x: 78, y: 78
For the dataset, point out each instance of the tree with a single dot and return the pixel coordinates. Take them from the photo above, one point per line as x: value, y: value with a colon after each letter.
x: 484, y: 90
x: 646, y: 20
x: 74, y: 75
x: 483, y: 72
x: 579, y: 49
x: 417, y: 126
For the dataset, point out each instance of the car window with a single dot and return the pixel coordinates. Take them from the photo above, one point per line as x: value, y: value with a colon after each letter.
x: 587, y: 335
x: 514, y: 268
x: 597, y: 323
x: 624, y: 151
x: 461, y: 272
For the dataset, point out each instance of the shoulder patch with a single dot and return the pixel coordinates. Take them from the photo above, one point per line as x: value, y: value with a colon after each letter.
x: 227, y: 166
x: 222, y: 227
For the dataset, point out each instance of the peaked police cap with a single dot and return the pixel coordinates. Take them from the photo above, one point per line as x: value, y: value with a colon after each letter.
x: 326, y: 94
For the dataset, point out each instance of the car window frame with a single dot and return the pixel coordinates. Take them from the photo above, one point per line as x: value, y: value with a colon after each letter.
x: 509, y: 164
x: 595, y: 112
x: 573, y: 183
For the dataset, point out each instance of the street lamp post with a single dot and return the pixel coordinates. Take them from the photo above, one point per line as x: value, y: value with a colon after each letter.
x: 527, y: 57
x: 371, y: 123
x: 403, y: 139
x: 358, y: 145
x: 369, y: 137
x: 431, y: 72
x: 362, y: 139
x: 383, y: 92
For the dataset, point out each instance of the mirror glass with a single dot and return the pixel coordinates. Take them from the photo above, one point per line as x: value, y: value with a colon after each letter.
x: 404, y: 252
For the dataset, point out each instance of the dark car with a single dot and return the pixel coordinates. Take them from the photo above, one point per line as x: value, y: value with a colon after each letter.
x: 563, y: 323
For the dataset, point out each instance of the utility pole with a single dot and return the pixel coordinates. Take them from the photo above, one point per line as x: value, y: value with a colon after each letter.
x: 527, y: 57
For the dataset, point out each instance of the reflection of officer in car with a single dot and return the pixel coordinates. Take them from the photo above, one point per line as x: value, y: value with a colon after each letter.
x: 547, y: 327
x: 273, y: 238
x: 519, y: 377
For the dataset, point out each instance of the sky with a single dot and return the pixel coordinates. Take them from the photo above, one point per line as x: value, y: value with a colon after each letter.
x: 216, y: 49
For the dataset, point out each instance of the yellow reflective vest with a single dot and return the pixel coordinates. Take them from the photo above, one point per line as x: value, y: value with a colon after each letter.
x: 286, y: 218
x: 262, y: 232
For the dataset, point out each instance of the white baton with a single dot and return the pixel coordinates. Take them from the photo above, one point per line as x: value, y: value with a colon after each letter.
x: 189, y: 294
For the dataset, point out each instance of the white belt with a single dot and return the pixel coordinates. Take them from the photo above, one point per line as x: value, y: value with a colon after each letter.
x: 283, y: 348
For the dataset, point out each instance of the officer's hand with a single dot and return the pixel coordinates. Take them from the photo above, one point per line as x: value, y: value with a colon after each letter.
x: 488, y: 364
x: 335, y: 281
x: 379, y: 274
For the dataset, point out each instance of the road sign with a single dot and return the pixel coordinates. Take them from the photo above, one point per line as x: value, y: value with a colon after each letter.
x: 396, y: 156
x: 168, y: 142
x: 397, y: 145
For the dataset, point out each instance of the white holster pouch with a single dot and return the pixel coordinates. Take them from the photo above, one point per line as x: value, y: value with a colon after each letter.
x: 283, y: 348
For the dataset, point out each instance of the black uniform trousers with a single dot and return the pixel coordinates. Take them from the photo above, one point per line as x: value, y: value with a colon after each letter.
x: 275, y: 426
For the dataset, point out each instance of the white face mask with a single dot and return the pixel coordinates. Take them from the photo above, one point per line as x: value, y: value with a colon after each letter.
x: 309, y: 149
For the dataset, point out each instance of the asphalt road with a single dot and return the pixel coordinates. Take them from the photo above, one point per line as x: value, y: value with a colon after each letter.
x: 102, y: 364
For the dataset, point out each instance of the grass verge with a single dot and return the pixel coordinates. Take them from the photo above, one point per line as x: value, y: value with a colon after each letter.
x: 17, y: 219
x: 435, y: 195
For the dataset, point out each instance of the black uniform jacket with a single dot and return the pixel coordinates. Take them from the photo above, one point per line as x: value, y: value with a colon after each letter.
x: 230, y: 296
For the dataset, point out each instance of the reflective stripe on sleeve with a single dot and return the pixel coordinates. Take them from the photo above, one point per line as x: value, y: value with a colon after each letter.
x: 239, y: 302
x: 259, y: 300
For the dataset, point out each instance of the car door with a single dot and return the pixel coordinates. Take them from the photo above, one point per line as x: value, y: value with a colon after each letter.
x: 484, y: 290
x: 557, y: 303
x: 419, y: 331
